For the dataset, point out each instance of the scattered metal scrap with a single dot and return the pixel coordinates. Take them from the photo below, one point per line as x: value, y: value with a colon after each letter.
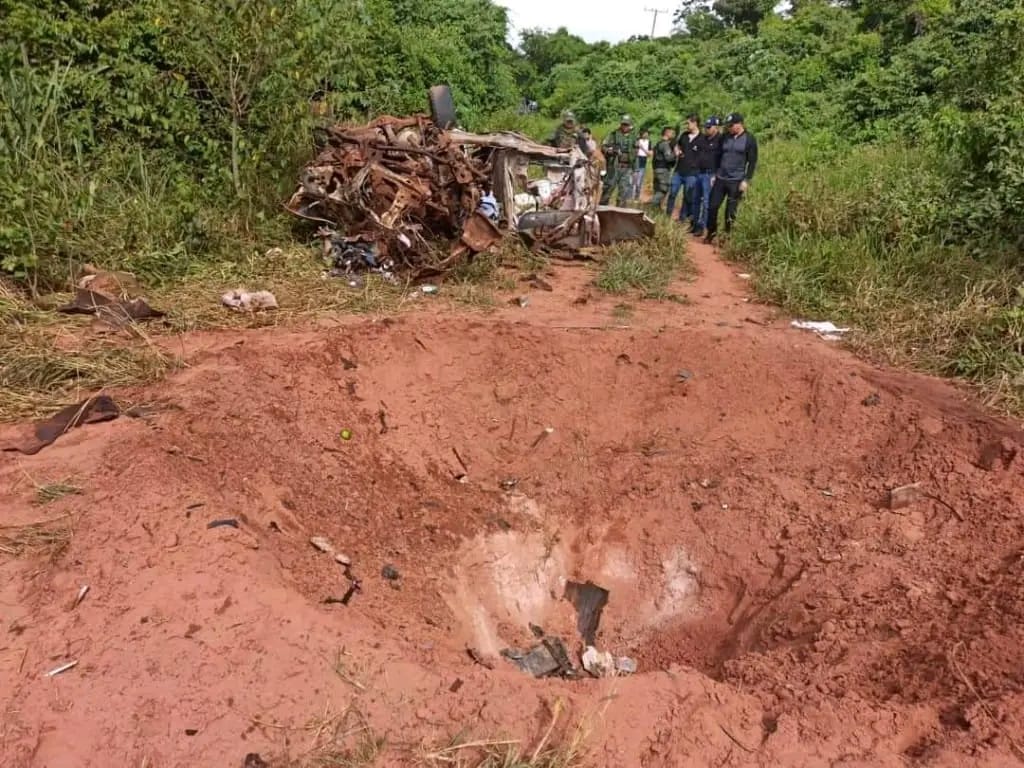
x: 114, y: 312
x: 92, y: 410
x: 589, y: 601
x: 402, y: 195
x: 110, y: 297
x: 549, y: 657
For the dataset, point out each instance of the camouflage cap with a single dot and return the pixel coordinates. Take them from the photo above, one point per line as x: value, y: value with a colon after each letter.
x: 626, y: 120
x: 568, y: 116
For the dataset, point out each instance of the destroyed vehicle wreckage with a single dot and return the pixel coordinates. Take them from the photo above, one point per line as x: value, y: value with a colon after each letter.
x: 403, y: 195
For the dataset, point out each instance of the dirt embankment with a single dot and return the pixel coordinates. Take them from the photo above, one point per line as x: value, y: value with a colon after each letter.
x: 725, y: 478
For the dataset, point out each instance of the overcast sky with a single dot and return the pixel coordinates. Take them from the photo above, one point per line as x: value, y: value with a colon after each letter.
x: 592, y: 20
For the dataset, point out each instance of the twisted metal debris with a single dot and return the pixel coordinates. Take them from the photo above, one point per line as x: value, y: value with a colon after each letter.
x: 402, y: 195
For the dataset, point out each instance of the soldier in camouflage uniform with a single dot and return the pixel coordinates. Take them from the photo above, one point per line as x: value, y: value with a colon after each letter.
x: 620, y: 152
x: 565, y: 136
x: 664, y: 159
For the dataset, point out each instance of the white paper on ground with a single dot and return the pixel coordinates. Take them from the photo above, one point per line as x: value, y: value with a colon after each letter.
x: 825, y: 329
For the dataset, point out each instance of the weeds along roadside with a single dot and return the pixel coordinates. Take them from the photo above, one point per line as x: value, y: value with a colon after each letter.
x: 858, y: 236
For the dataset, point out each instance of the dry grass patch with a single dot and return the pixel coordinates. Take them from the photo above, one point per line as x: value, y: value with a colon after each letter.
x: 48, y: 537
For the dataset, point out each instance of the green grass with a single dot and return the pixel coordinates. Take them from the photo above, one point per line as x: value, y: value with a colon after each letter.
x: 851, y: 238
x: 647, y: 267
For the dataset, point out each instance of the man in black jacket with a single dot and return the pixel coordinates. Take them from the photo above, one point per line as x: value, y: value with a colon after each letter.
x: 734, y: 168
x: 708, y: 158
x: 688, y: 149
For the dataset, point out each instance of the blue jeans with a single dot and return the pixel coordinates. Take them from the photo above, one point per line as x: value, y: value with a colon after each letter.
x: 690, y: 191
x: 638, y: 176
x: 673, y: 192
x: 697, y: 193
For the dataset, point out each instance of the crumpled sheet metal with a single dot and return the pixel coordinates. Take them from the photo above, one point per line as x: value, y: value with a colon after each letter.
x: 618, y: 224
x: 414, y: 192
x: 92, y: 410
x: 116, y: 313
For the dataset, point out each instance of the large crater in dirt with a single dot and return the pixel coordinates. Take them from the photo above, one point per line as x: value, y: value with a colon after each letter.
x: 735, y: 513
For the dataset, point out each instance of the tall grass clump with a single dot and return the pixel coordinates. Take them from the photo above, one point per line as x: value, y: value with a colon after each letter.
x: 646, y: 266
x: 127, y: 206
x: 858, y: 238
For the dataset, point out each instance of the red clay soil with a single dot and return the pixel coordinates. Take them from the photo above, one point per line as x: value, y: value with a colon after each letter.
x: 780, y: 612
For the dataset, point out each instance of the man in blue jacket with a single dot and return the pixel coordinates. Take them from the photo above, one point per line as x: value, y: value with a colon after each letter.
x: 734, y: 169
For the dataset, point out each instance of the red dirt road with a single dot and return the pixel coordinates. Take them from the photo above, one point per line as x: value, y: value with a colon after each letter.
x: 780, y: 612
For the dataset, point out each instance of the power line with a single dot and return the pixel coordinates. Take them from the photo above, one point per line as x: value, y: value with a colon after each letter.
x: 654, y: 21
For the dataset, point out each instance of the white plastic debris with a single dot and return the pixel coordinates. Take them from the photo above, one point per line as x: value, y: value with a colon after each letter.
x: 62, y: 668
x: 825, y: 329
x: 81, y: 595
x: 241, y: 300
x: 428, y: 289
x: 598, y: 663
x: 524, y: 202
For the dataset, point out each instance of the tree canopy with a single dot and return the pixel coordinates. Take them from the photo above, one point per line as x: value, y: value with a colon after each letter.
x: 222, y: 98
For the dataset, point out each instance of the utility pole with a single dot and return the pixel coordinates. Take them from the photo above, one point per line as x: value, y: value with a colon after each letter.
x: 654, y: 21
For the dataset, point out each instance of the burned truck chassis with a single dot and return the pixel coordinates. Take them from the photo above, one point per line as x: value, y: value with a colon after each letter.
x: 403, y: 195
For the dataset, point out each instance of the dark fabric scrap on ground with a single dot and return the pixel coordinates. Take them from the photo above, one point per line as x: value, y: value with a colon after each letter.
x: 92, y: 410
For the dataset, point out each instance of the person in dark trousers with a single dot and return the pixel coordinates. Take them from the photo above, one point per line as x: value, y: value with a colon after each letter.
x: 734, y: 168
x: 664, y: 156
x: 708, y: 157
x: 687, y: 153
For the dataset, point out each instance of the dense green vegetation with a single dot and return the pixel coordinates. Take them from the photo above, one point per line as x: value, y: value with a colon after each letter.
x: 161, y: 136
x: 155, y: 134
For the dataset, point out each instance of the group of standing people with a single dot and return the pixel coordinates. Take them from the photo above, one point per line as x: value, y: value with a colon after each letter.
x: 708, y: 166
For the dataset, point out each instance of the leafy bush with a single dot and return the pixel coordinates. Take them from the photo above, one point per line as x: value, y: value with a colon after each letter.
x: 842, y: 241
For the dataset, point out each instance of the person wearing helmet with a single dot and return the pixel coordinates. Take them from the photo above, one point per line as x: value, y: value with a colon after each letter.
x: 619, y: 149
x: 566, y: 135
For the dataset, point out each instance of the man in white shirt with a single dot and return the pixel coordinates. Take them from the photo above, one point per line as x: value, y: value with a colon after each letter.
x: 643, y: 151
